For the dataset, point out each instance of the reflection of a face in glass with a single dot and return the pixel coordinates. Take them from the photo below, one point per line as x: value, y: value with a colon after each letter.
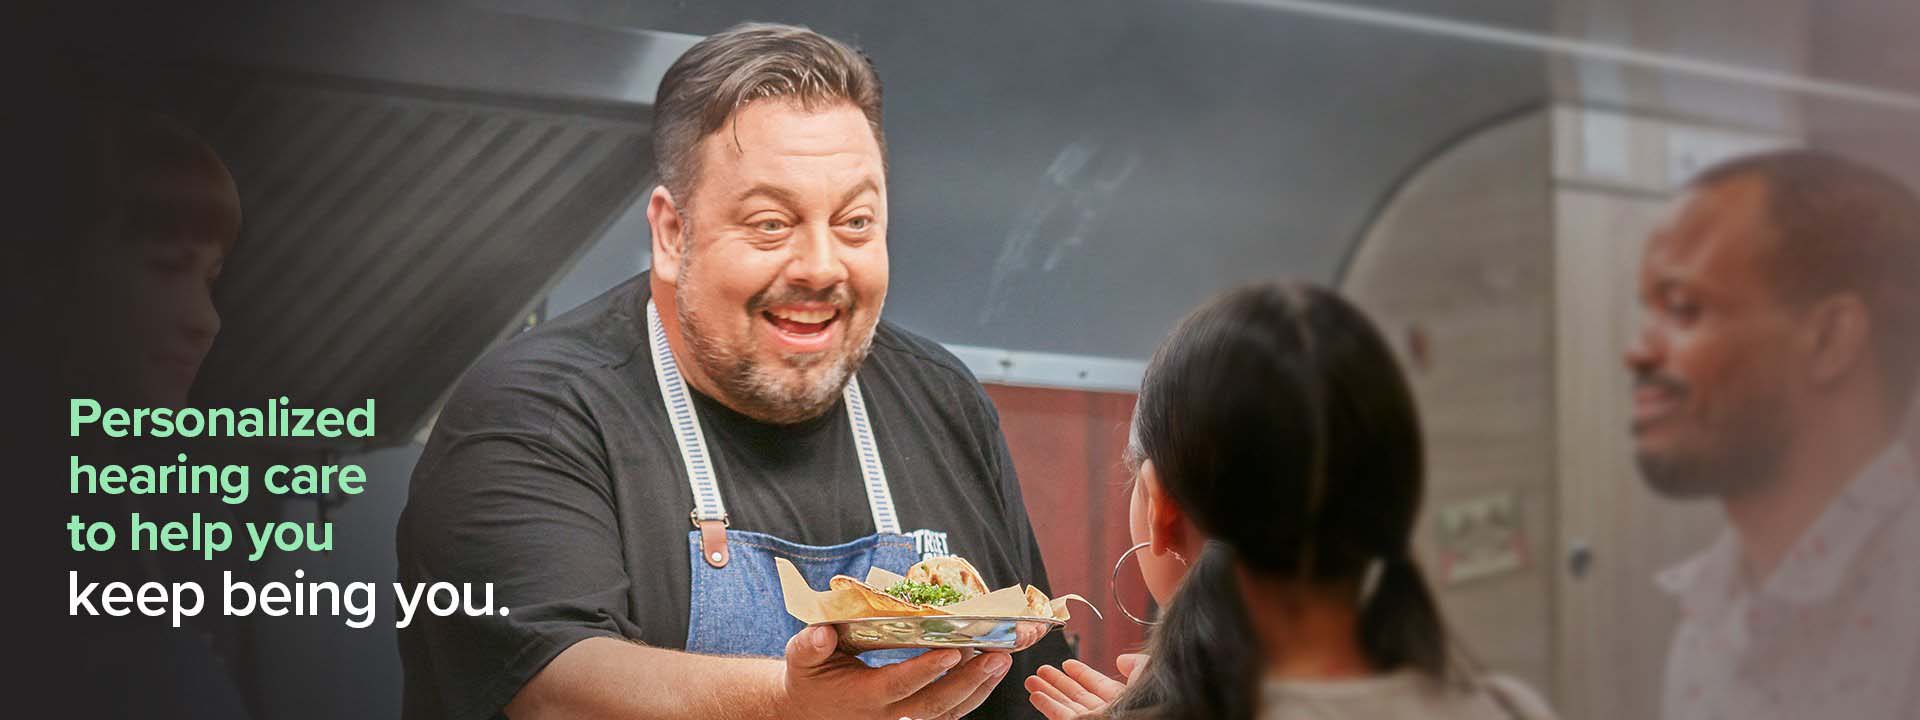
x: 1712, y: 388
x: 785, y: 271
x: 147, y: 316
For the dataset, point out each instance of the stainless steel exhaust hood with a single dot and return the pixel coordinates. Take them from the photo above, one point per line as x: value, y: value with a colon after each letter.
x: 413, y: 179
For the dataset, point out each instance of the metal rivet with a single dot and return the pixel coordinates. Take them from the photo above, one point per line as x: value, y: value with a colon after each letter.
x: 717, y: 557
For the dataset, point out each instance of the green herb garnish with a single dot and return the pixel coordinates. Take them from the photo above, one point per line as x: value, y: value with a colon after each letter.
x: 925, y: 594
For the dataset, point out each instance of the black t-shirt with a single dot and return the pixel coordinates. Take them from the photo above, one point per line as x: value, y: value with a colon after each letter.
x: 553, y: 473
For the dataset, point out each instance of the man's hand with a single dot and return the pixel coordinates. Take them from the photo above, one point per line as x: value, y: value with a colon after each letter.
x: 1079, y: 690
x: 823, y: 683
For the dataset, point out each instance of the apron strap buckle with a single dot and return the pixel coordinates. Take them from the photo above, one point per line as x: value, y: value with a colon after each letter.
x: 713, y: 538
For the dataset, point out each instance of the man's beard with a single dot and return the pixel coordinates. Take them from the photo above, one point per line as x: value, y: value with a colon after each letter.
x: 763, y: 393
x: 1739, y: 456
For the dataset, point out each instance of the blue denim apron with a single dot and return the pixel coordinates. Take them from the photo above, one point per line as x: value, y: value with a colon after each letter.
x: 737, y: 607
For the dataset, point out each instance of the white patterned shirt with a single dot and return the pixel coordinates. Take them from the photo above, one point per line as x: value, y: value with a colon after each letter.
x: 1833, y: 633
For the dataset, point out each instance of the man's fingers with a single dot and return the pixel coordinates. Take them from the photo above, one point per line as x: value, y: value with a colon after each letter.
x: 979, y: 695
x: 951, y: 691
x: 1037, y: 684
x: 902, y: 680
x: 1053, y: 709
x: 811, y: 647
x: 1095, y: 682
x: 1131, y: 664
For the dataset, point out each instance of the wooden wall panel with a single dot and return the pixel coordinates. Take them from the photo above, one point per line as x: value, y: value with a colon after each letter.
x: 1615, y: 624
x: 1456, y: 271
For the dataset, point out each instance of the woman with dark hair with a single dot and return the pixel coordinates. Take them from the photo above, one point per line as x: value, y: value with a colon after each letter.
x: 1278, y: 468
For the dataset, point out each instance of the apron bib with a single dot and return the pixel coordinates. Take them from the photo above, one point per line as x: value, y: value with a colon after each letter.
x: 736, y: 605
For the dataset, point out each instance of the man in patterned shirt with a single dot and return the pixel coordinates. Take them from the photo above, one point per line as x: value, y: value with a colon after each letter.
x: 1779, y: 344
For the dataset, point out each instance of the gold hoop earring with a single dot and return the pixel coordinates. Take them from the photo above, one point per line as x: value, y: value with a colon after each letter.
x: 1113, y: 585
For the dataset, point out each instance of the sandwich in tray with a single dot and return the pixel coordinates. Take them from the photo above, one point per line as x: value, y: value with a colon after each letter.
x: 941, y: 602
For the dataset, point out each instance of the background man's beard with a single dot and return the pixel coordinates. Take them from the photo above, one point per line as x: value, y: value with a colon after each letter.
x: 1747, y: 458
x: 764, y: 393
x: 1695, y: 476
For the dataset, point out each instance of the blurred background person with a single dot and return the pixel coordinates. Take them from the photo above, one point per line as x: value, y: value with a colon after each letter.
x: 1776, y: 353
x: 165, y: 214
x: 1279, y: 469
x: 158, y: 215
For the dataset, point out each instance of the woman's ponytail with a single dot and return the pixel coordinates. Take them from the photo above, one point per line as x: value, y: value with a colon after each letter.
x: 1400, y: 623
x: 1206, y: 664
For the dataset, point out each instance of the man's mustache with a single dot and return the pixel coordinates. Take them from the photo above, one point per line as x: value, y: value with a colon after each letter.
x: 1656, y: 380
x: 838, y: 296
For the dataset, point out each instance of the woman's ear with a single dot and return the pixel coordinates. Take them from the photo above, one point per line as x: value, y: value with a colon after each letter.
x: 669, y: 241
x: 1167, y: 527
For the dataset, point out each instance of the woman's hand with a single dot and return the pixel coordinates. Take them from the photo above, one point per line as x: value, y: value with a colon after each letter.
x: 1076, y: 689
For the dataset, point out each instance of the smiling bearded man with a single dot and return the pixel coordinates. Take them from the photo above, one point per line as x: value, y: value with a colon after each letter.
x: 819, y: 337
x: 746, y: 383
x: 1778, y: 344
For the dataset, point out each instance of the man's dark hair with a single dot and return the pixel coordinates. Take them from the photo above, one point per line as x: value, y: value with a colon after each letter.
x: 1841, y: 226
x: 749, y: 62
